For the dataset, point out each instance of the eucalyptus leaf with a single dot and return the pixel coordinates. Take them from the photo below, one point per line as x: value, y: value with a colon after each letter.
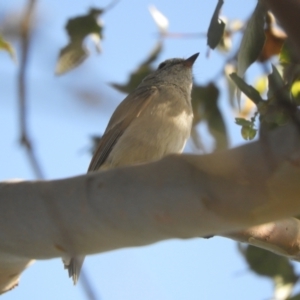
x: 78, y: 29
x: 216, y: 27
x: 252, y: 42
x: 247, y: 89
x: 205, y: 108
x: 144, y: 69
x: 285, y: 54
x: 277, y: 268
x: 248, y: 133
x: 70, y: 57
x: 253, y: 39
x: 289, y: 60
x: 243, y: 122
x: 276, y: 83
x: 268, y: 264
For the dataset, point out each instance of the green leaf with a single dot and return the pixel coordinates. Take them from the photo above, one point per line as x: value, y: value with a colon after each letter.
x: 276, y: 85
x: 275, y: 80
x: 78, y: 29
x: 290, y: 62
x: 248, y: 90
x: 285, y: 54
x: 248, y: 133
x: 205, y: 108
x: 70, y: 57
x: 278, y: 268
x: 6, y: 46
x: 252, y: 134
x: 252, y: 42
x: 268, y: 264
x: 216, y: 27
x: 243, y: 122
x: 142, y: 71
x: 154, y: 54
x: 253, y: 39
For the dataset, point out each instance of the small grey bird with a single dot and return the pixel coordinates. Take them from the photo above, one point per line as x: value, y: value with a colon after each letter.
x: 151, y: 122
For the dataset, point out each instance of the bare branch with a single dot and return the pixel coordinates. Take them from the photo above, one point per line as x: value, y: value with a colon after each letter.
x: 26, y: 142
x: 25, y: 43
x: 180, y: 196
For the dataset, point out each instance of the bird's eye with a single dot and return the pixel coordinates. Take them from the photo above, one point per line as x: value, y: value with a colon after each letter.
x: 163, y: 64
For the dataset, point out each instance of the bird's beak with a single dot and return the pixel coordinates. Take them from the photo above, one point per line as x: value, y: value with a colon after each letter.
x: 190, y: 61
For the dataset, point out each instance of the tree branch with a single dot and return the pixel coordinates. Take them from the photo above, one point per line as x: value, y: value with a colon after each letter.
x: 25, y: 42
x: 180, y: 196
x: 281, y: 237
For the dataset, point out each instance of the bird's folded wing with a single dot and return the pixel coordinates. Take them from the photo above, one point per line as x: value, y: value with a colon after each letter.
x: 129, y: 109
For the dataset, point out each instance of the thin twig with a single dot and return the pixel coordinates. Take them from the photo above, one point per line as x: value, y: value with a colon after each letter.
x: 24, y: 135
x: 88, y: 288
x: 111, y: 5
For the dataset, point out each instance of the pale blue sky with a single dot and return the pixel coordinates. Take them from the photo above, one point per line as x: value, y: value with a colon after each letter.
x: 61, y: 124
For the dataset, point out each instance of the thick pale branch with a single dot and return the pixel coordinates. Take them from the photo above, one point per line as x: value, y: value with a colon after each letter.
x: 178, y: 197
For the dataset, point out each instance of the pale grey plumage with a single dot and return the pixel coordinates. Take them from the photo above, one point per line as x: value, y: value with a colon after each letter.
x: 151, y: 122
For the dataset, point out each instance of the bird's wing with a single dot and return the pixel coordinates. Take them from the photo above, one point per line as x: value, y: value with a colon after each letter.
x: 128, y: 110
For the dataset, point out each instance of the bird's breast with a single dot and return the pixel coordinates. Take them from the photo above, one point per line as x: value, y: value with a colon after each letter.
x: 183, y: 121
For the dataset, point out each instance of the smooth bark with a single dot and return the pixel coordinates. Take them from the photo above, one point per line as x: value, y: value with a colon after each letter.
x: 180, y: 196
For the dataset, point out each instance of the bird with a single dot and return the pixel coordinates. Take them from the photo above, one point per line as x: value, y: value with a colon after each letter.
x: 153, y: 121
